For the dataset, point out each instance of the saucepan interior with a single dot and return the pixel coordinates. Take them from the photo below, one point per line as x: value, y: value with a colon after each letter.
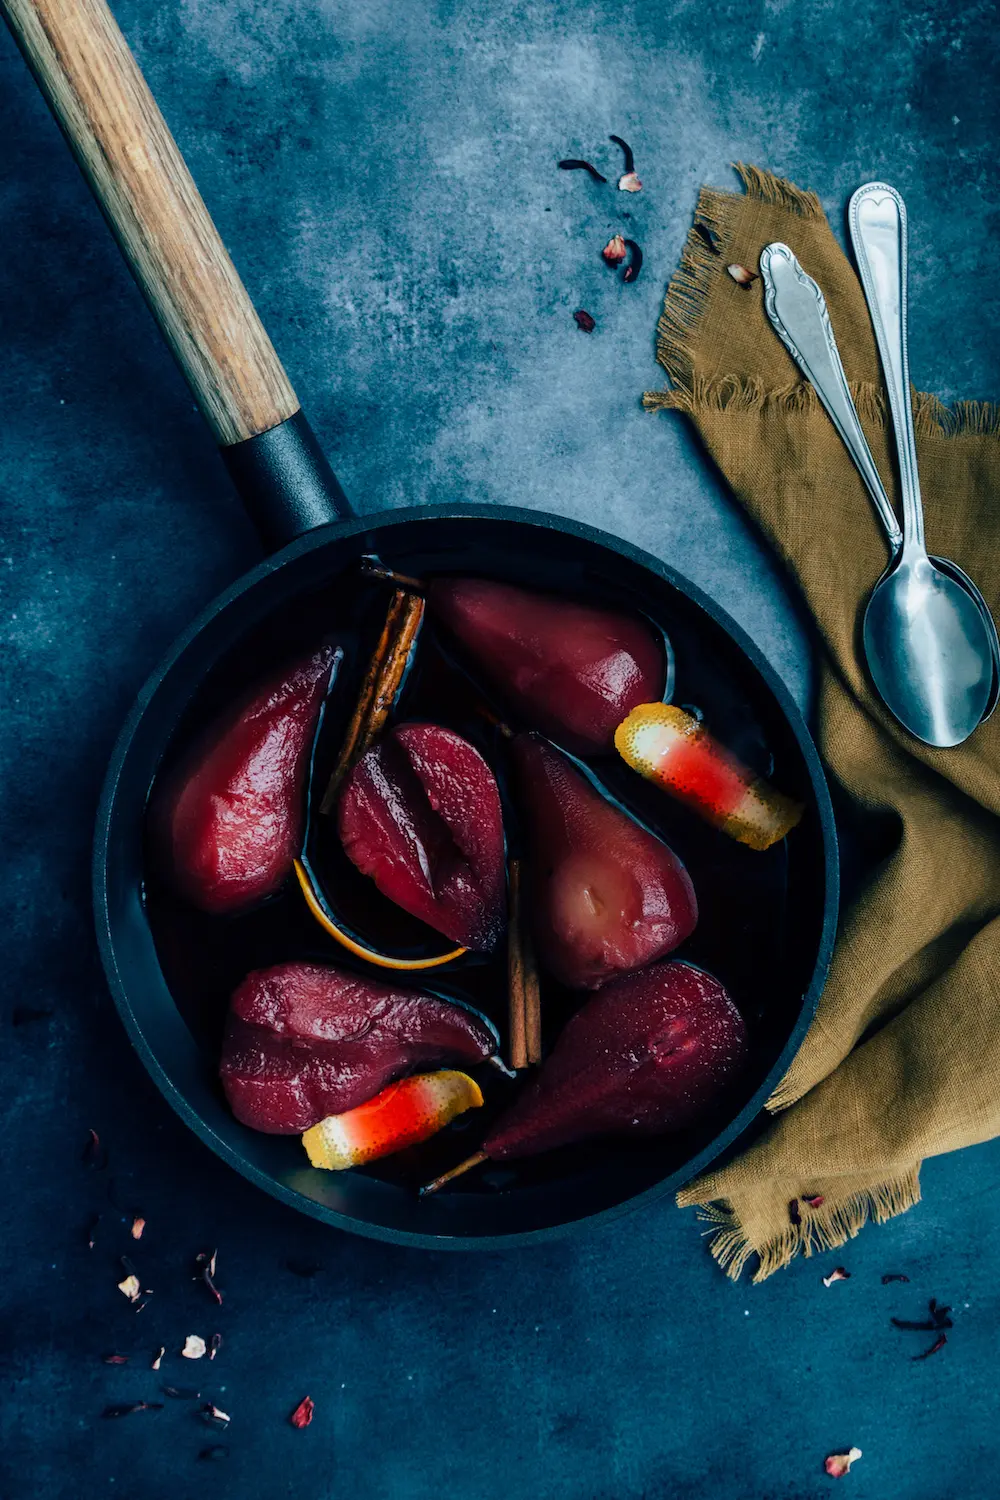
x: 767, y: 920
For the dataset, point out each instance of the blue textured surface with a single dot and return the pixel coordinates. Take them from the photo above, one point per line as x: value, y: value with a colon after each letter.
x: 384, y: 174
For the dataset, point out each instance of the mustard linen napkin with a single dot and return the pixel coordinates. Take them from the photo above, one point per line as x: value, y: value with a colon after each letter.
x: 903, y: 1058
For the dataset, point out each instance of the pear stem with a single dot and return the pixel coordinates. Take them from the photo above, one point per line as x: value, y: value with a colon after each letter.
x: 463, y: 1167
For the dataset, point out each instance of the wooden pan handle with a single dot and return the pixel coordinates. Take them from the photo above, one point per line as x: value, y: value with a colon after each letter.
x: 100, y: 98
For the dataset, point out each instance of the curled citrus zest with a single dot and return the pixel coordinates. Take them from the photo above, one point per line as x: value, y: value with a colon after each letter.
x: 403, y: 1114
x: 361, y: 950
x: 675, y: 751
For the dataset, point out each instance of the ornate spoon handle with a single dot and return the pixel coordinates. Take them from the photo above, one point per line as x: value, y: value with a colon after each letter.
x: 797, y: 309
x: 877, y: 218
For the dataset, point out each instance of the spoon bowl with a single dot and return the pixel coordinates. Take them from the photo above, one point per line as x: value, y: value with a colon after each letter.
x: 928, y: 651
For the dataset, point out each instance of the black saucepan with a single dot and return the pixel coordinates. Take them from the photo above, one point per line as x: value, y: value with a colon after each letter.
x: 767, y: 920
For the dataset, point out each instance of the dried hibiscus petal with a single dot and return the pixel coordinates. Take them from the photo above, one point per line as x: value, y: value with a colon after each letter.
x: 839, y: 1464
x: 127, y: 1408
x: 194, y: 1346
x: 629, y: 182
x: 574, y: 164
x: 742, y: 276
x: 938, y: 1318
x: 894, y: 1276
x: 635, y: 264
x: 214, y: 1345
x: 614, y: 251
x: 181, y: 1393
x: 94, y: 1155
x: 815, y: 1200
x: 206, y: 1272
x: 938, y: 1343
x: 116, y: 1359
x: 158, y: 1357
x: 214, y: 1415
x: 627, y: 149
x: 837, y: 1274
x: 709, y: 235
x: 131, y: 1287
x: 138, y: 1225
x: 794, y: 1217
x: 584, y: 321
x: 303, y: 1413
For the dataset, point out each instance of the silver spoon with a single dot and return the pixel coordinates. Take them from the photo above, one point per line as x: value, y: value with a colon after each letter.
x: 931, y: 653
x: 814, y: 349
x: 877, y: 219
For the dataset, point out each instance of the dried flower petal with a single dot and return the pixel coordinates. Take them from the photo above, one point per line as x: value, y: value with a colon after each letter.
x: 815, y: 1200
x: 194, y: 1346
x: 214, y: 1345
x: 709, y: 235
x: 635, y: 264
x: 303, y: 1413
x: 837, y: 1274
x: 584, y: 321
x: 893, y: 1276
x: 212, y: 1414
x: 629, y: 156
x: 839, y: 1464
x: 742, y: 276
x: 138, y: 1225
x: 629, y: 183
x: 94, y: 1221
x: 614, y: 251
x: 93, y: 1153
x: 158, y: 1357
x: 937, y: 1320
x: 129, y: 1407
x: 131, y: 1288
x: 938, y: 1343
x: 181, y: 1392
x: 794, y: 1217
x: 217, y: 1450
x: 116, y: 1359
x: 206, y: 1271
x: 572, y: 164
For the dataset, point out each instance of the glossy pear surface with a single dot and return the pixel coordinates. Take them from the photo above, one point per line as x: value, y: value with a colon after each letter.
x: 229, y: 820
x: 304, y: 1041
x: 648, y: 1054
x: 568, y: 669
x: 420, y: 814
x: 606, y: 895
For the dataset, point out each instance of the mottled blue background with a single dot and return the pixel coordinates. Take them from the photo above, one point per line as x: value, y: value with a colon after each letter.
x: 383, y: 171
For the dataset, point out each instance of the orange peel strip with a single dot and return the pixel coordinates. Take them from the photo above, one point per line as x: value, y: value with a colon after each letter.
x: 361, y: 950
x: 404, y: 1114
x: 675, y: 751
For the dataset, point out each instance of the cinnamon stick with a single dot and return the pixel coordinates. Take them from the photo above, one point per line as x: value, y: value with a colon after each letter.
x: 515, y: 970
x: 532, y: 995
x: 523, y: 991
x: 380, y: 687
